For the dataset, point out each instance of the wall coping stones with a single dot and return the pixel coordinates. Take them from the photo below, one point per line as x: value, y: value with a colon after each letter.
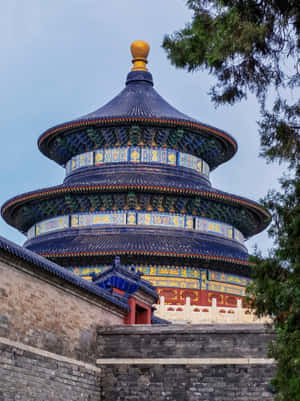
x: 185, y: 361
x: 187, y: 329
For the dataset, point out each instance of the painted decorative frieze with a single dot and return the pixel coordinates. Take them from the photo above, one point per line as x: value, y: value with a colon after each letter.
x: 171, y: 220
x: 226, y: 288
x: 228, y: 278
x: 46, y: 226
x: 180, y: 277
x: 137, y: 154
x: 83, y: 220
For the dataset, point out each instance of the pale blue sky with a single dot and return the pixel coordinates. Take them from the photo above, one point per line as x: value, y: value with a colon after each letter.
x: 62, y: 59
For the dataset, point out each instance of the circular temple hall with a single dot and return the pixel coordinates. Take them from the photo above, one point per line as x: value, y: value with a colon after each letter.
x: 137, y: 186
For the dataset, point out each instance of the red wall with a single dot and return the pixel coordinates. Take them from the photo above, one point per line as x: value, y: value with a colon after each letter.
x: 177, y: 296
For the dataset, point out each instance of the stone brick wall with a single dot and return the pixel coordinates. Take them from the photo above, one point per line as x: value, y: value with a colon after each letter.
x: 48, y: 313
x: 185, y: 383
x: 188, y: 341
x: 33, y: 375
x: 185, y: 363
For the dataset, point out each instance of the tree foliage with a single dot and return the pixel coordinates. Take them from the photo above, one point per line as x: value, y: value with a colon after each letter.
x: 249, y: 46
x: 253, y: 46
x: 275, y: 289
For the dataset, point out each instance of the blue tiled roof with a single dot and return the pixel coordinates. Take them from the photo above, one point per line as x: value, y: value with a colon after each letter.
x: 126, y: 174
x: 56, y: 270
x: 159, y: 320
x: 138, y: 100
x: 120, y: 277
x: 136, y: 180
x: 115, y: 240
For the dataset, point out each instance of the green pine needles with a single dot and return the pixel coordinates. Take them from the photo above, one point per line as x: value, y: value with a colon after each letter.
x: 253, y: 46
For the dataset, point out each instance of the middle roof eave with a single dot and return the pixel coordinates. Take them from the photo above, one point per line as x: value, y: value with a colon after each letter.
x: 9, y: 208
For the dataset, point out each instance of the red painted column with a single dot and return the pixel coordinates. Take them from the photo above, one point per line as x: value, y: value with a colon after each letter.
x: 203, y: 298
x: 148, y: 316
x: 131, y: 316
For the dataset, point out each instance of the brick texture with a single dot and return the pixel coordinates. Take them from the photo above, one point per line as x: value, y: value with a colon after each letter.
x: 26, y: 376
x: 49, y: 315
x: 165, y: 382
x: 186, y: 383
x: 184, y: 341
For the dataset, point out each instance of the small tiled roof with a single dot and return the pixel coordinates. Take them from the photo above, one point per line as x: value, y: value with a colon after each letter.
x: 56, y: 270
x: 159, y: 320
x: 120, y: 277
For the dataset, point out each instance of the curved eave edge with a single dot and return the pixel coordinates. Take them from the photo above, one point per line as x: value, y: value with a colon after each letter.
x: 148, y: 253
x: 156, y: 121
x: 56, y: 270
x: 253, y: 206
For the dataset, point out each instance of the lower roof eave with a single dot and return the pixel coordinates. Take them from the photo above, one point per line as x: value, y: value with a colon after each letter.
x: 147, y: 253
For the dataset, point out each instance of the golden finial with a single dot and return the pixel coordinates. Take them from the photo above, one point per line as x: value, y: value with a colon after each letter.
x: 139, y: 50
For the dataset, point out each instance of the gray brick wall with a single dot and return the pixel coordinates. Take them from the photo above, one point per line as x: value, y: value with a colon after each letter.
x: 186, y: 383
x: 32, y: 374
x: 28, y: 376
x: 188, y: 341
x: 140, y: 379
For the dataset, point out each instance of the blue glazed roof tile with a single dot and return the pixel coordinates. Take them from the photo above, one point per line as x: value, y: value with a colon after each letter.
x: 148, y: 240
x: 126, y: 174
x: 137, y: 181
x: 159, y: 320
x: 138, y: 101
x: 126, y: 280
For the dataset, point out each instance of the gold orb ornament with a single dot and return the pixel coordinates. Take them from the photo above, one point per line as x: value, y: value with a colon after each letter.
x: 139, y: 50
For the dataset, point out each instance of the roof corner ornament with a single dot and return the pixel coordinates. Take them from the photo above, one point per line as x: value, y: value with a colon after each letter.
x: 139, y: 50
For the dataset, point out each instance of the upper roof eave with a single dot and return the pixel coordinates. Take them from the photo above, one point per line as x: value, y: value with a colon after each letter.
x: 138, y: 102
x: 109, y: 120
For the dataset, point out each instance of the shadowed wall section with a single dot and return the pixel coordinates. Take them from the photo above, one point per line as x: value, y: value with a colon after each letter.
x: 185, y: 363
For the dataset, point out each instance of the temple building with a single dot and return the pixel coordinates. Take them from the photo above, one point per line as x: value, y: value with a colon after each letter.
x: 138, y: 188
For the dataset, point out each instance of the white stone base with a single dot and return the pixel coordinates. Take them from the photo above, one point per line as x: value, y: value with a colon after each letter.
x: 194, y: 314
